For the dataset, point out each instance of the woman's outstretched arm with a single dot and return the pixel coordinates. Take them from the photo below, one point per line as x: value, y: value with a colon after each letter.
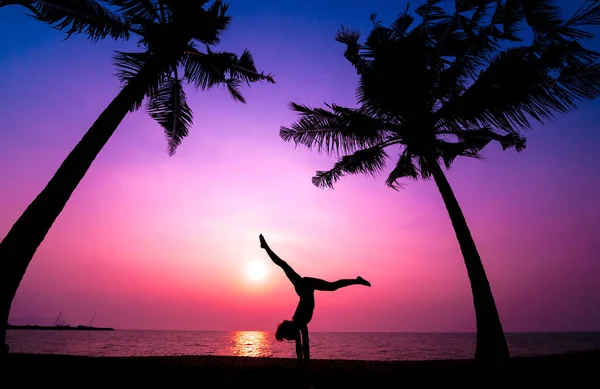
x: 305, y: 344
x: 289, y: 272
x: 299, y: 348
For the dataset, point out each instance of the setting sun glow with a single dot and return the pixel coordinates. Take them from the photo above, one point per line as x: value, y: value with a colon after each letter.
x: 256, y: 271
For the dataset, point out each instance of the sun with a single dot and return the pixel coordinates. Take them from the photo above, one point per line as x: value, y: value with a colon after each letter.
x: 256, y: 271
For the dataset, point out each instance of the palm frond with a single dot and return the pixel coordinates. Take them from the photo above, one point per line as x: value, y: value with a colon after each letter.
x: 587, y: 15
x: 542, y: 15
x: 580, y: 81
x: 392, y: 83
x: 129, y: 66
x: 474, y: 23
x: 476, y: 140
x: 206, y: 70
x: 403, y: 22
x: 87, y: 17
x: 404, y: 168
x: 510, y: 16
x: 472, y: 142
x: 545, y: 19
x: 204, y: 25
x: 447, y: 152
x: 518, y: 85
x: 168, y: 106
x: 471, y: 5
x: 138, y: 10
x: 470, y: 55
x: 450, y: 29
x: 233, y: 87
x: 379, y: 41
x: 352, y: 53
x: 368, y: 161
x: 244, y: 69
x: 463, y: 47
x: 430, y: 12
x: 334, y: 131
x: 557, y: 55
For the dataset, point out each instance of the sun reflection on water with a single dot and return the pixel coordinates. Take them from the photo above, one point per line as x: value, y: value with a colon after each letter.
x: 250, y: 344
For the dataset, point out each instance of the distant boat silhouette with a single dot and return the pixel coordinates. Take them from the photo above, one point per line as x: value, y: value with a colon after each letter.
x: 60, y: 325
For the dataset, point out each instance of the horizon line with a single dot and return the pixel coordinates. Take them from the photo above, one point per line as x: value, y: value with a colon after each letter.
x: 367, y: 332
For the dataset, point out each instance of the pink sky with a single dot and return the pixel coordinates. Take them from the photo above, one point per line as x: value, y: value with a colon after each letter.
x: 156, y: 242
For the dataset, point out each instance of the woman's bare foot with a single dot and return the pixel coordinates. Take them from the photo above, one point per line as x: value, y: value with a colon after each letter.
x: 362, y: 281
x: 263, y: 242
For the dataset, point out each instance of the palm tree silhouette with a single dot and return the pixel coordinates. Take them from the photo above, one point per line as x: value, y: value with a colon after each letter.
x: 446, y: 88
x: 170, y: 33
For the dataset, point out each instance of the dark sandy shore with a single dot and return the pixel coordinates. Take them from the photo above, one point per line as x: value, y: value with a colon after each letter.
x: 576, y: 370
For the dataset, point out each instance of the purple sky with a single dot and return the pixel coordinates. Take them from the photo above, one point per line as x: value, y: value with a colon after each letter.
x: 158, y: 242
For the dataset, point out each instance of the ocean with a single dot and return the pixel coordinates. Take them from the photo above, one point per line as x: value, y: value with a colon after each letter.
x: 324, y: 345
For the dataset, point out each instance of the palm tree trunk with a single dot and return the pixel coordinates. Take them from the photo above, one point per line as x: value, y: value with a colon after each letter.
x: 25, y: 236
x: 491, y: 344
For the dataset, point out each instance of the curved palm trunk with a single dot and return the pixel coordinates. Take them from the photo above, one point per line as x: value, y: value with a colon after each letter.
x: 491, y: 345
x: 21, y: 242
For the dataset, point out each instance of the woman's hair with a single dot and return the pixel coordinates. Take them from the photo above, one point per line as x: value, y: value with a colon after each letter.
x: 286, y: 330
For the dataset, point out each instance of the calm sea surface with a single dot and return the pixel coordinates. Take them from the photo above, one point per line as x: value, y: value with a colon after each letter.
x: 324, y: 345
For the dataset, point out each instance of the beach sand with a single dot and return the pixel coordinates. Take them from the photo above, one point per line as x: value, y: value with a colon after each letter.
x: 575, y: 370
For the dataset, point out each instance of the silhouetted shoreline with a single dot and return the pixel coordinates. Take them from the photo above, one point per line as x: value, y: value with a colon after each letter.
x: 573, y: 369
x: 58, y: 328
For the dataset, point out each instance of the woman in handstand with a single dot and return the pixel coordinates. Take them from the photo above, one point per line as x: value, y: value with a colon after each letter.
x: 297, y: 328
